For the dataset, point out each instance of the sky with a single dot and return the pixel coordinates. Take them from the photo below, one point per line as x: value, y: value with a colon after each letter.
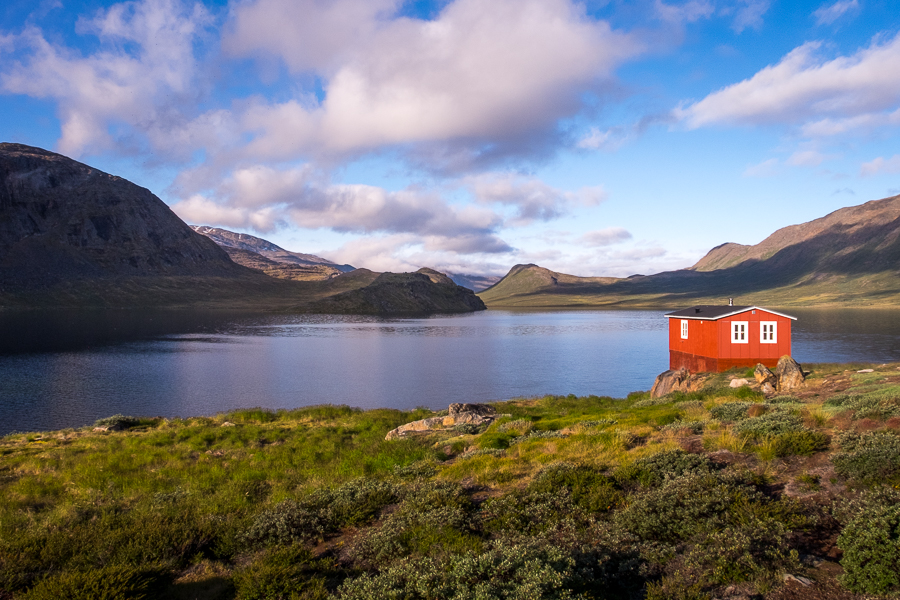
x: 595, y: 138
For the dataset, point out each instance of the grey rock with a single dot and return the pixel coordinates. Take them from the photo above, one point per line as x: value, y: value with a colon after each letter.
x: 459, y: 414
x: 789, y: 374
x: 738, y: 382
x: 669, y: 381
x: 762, y: 374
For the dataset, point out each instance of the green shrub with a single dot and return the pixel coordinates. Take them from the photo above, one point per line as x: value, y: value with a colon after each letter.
x: 587, y: 486
x: 868, y: 457
x: 684, y: 506
x: 417, y: 470
x: 536, y: 435
x: 878, y: 405
x: 468, y: 428
x: 783, y: 400
x: 287, y: 523
x: 108, y: 583
x: 654, y: 469
x: 769, y: 425
x: 504, y: 572
x: 801, y: 443
x: 732, y: 411
x: 871, y: 544
x: 692, y: 426
x: 289, y: 573
x: 527, y: 512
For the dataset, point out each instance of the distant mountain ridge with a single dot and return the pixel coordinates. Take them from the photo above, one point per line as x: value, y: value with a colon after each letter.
x: 850, y: 230
x: 244, y: 241
x: 849, y: 257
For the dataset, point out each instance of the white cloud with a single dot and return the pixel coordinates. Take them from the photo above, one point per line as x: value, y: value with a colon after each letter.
x: 828, y: 14
x: 609, y: 140
x: 605, y: 237
x: 479, y: 71
x: 865, y: 122
x: 532, y: 199
x: 881, y: 165
x: 766, y: 168
x: 803, y: 87
x: 265, y: 198
x: 750, y: 15
x: 144, y: 69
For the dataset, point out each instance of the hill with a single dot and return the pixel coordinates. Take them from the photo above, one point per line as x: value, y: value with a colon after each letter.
x: 71, y: 235
x: 238, y: 245
x: 422, y: 292
x: 476, y: 283
x: 849, y: 257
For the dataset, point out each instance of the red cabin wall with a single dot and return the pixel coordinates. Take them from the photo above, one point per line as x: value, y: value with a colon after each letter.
x: 709, y: 346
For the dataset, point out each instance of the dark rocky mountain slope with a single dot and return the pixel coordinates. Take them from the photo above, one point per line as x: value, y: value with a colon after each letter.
x: 62, y: 220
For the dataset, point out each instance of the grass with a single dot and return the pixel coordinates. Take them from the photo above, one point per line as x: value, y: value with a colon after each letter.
x: 603, y: 497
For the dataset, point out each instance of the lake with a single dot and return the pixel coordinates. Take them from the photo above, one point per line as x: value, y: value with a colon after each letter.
x: 69, y: 368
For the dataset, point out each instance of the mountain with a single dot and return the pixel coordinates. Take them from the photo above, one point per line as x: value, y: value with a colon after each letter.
x: 242, y: 241
x: 62, y: 220
x: 849, y: 257
x: 74, y: 236
x: 476, y: 283
x: 423, y: 292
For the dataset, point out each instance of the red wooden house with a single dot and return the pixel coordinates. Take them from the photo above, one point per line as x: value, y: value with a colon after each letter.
x: 718, y: 338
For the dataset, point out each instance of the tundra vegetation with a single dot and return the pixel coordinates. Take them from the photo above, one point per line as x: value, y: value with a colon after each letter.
x: 719, y: 493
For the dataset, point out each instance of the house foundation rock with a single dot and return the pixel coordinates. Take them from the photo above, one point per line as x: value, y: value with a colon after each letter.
x: 459, y: 414
x: 676, y: 380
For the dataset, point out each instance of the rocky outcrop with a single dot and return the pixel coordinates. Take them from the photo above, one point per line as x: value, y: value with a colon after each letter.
x: 62, y: 220
x: 765, y: 379
x: 789, y: 374
x: 459, y: 414
x: 423, y: 292
x: 679, y: 380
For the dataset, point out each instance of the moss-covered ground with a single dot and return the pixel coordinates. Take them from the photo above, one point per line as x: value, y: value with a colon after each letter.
x: 720, y: 493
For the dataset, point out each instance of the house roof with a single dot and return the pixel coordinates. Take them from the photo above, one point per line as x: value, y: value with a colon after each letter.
x: 708, y: 312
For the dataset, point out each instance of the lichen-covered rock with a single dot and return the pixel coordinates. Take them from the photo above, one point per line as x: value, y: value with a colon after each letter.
x: 789, y: 374
x: 668, y: 382
x: 459, y: 414
x: 762, y: 374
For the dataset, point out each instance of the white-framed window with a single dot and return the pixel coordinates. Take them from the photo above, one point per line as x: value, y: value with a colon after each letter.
x: 768, y: 332
x: 739, y: 332
x: 684, y: 329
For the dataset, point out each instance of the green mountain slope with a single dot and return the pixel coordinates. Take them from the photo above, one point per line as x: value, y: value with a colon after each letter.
x: 850, y: 257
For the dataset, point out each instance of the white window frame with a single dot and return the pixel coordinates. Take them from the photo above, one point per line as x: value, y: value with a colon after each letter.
x: 768, y: 332
x: 740, y: 332
x: 684, y: 329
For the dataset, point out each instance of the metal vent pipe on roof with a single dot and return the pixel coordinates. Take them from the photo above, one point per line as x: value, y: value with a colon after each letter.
x: 731, y: 302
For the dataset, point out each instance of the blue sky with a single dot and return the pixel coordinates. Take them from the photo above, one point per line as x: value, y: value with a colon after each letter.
x: 596, y: 138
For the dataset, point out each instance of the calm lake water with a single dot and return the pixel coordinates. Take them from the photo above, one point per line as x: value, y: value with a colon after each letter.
x: 67, y: 369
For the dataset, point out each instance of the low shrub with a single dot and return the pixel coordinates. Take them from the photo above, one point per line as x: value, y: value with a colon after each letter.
x: 654, y: 469
x: 519, y: 427
x: 287, y: 523
x: 801, y: 443
x: 870, y: 541
x: 421, y: 469
x: 870, y: 457
x: 283, y: 574
x: 682, y: 507
x: 536, y: 435
x: 732, y: 411
x: 769, y: 425
x: 783, y: 400
x: 503, y: 572
x: 587, y: 486
x: 527, y: 512
x: 694, y: 427
x: 106, y: 583
x: 879, y: 405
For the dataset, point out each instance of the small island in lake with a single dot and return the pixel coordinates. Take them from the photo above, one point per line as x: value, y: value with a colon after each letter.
x: 713, y: 491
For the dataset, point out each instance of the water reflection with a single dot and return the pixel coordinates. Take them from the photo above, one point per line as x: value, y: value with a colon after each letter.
x: 68, y: 369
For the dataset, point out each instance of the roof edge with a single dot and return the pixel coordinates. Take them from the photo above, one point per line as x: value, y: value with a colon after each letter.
x: 672, y: 315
